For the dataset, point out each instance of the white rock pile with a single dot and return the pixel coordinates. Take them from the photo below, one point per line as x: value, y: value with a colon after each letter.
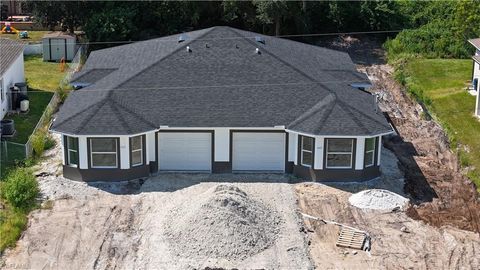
x: 222, y: 223
x: 378, y: 199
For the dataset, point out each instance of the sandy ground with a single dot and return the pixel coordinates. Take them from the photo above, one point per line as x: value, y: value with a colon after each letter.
x: 424, y: 247
x: 121, y: 225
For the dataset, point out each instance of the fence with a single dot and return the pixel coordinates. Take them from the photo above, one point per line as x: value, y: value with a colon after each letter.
x: 76, y: 64
x: 10, y: 154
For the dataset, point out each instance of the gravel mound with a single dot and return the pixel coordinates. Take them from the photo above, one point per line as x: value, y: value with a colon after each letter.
x: 224, y: 223
x: 377, y: 199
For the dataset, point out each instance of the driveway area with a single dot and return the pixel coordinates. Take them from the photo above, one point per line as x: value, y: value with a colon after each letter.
x: 171, y: 221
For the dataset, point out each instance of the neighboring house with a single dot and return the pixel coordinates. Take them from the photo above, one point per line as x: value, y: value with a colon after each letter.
x: 476, y: 72
x: 220, y: 100
x: 11, y: 71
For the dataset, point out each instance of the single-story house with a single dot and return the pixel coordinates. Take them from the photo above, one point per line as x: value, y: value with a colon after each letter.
x: 11, y: 71
x: 220, y: 100
x: 476, y: 72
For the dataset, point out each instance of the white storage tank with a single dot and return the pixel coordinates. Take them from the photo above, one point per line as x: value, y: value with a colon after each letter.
x: 24, y: 105
x: 58, y: 45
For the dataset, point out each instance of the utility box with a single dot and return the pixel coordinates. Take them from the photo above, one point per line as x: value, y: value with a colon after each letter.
x: 58, y: 46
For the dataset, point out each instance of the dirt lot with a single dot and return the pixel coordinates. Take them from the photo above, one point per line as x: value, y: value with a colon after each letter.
x: 424, y: 247
x: 122, y: 226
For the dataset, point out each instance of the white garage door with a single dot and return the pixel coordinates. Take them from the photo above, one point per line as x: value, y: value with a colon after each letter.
x: 185, y: 151
x: 258, y: 151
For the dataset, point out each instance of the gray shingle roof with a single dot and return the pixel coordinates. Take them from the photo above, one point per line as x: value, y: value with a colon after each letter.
x: 221, y: 82
x: 475, y: 42
x: 9, y: 51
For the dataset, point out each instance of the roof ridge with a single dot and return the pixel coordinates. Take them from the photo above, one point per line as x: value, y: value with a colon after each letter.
x: 354, y: 117
x: 81, y: 111
x: 133, y: 112
x: 117, y: 113
x: 272, y: 54
x: 362, y: 113
x: 314, y: 109
x: 161, y: 59
x: 103, y: 101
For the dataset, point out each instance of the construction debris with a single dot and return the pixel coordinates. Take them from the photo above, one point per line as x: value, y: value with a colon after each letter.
x: 378, y: 199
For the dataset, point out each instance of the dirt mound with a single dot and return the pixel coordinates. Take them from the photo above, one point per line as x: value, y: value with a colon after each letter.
x: 377, y: 199
x: 223, y: 222
x: 441, y: 193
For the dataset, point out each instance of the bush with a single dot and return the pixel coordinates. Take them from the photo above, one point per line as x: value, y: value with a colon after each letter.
x: 20, y: 188
x: 49, y: 142
x: 63, y: 92
x: 38, y: 142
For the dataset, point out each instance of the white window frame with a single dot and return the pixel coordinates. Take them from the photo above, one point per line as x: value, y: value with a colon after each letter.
x: 72, y: 150
x: 339, y: 153
x: 92, y: 153
x: 136, y: 150
x: 370, y: 151
x: 306, y: 150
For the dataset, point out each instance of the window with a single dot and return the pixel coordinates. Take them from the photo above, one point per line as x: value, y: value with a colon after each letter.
x: 136, y: 151
x: 307, y: 151
x: 339, y: 153
x: 370, y: 151
x: 103, y: 152
x: 72, y: 151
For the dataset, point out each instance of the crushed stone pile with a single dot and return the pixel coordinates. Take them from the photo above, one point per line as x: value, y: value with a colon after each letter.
x: 224, y: 223
x: 378, y: 199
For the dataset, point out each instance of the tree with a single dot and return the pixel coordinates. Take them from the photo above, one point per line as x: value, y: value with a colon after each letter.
x: 68, y: 14
x: 272, y: 12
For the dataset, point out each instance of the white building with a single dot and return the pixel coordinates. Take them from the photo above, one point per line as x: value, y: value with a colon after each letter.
x: 476, y: 72
x: 11, y: 71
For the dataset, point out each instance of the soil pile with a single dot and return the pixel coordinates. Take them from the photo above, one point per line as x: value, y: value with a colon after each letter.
x: 223, y: 223
x: 377, y: 199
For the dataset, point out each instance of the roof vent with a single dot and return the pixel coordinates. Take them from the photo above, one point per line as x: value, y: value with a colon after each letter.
x: 182, y: 38
x: 257, y: 51
x: 260, y: 39
x: 188, y: 49
x: 207, y: 46
x: 236, y: 46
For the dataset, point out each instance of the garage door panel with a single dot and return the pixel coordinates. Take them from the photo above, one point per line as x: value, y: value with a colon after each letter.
x: 185, y: 151
x: 258, y: 151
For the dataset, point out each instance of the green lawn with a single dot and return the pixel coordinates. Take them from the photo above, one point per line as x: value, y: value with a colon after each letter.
x: 43, y: 79
x: 443, y: 82
x: 33, y: 36
x: 45, y: 76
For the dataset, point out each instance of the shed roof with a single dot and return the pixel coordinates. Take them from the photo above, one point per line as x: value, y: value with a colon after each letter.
x: 9, y: 52
x: 59, y: 34
x: 220, y: 82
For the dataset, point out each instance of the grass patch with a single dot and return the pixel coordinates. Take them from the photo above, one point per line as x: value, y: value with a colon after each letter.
x: 12, y: 223
x: 33, y: 36
x: 25, y: 123
x: 44, y: 76
x: 440, y: 85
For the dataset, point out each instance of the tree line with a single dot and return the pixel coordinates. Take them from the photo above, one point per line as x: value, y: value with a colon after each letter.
x: 433, y: 24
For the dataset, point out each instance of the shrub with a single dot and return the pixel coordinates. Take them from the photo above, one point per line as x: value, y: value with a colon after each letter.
x: 49, y: 142
x: 20, y: 188
x: 63, y: 92
x: 38, y: 142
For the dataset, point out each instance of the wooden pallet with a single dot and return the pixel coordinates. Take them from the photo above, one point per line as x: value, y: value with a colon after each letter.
x: 351, y: 238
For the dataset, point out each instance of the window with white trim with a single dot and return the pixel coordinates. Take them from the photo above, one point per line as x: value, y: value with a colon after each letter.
x: 307, y: 151
x: 103, y: 152
x: 72, y: 151
x: 339, y: 153
x: 136, y: 150
x: 370, y: 151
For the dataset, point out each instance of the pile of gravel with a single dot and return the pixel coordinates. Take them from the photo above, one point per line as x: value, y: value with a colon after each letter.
x: 377, y: 199
x: 222, y: 223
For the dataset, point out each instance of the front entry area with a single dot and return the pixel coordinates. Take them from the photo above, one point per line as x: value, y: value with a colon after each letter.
x: 258, y: 151
x: 185, y: 151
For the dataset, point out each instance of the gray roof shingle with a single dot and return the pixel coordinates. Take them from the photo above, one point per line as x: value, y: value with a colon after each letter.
x: 221, y: 82
x: 9, y: 51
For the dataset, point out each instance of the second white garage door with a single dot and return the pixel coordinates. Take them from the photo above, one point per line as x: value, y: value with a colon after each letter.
x: 185, y: 151
x: 258, y: 151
